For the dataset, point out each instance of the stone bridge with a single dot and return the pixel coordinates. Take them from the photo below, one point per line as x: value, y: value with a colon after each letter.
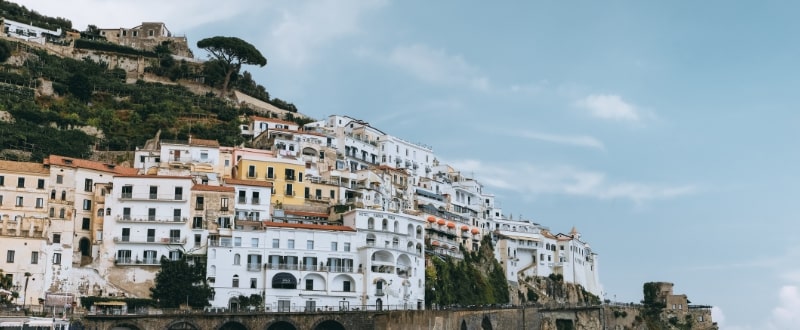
x: 464, y: 319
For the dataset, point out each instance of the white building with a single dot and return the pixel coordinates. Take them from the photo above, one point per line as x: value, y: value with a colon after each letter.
x: 391, y: 253
x: 27, y: 32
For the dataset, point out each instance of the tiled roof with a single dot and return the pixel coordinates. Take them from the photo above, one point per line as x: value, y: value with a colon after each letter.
x: 203, y: 142
x: 307, y: 226
x: 205, y: 187
x: 55, y: 160
x: 26, y: 167
x: 154, y: 176
x: 249, y: 183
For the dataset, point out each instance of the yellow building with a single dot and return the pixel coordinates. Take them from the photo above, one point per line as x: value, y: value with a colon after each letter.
x: 285, y: 172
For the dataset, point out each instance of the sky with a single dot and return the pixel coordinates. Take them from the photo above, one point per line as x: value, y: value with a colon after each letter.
x: 661, y: 130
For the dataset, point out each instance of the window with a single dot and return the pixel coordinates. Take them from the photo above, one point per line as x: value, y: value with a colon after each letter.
x: 2, y: 180
x: 87, y: 185
x: 126, y: 234
x: 346, y: 286
x: 178, y: 193
x: 175, y: 255
x: 86, y: 223
x: 150, y: 257
x: 87, y: 204
x: 253, y: 283
x: 198, y: 239
x: 59, y: 179
x: 310, y: 284
x: 347, y: 246
x: 199, y: 203
x: 39, y: 203
x: 61, y: 213
x: 174, y: 235
x: 127, y: 191
x: 19, y: 201
x: 153, y: 192
x: 151, y: 214
x: 242, y: 197
x: 40, y: 184
x: 291, y: 244
x: 270, y: 173
x: 57, y: 258
x: 126, y: 213
x: 276, y: 243
x: 204, y: 155
x: 20, y: 182
x: 151, y: 235
x: 309, y: 245
x: 255, y: 199
x: 34, y: 257
x: 10, y: 256
x: 254, y: 242
x: 223, y: 204
x: 237, y: 241
x: 284, y: 305
x: 334, y: 246
x: 63, y: 195
x: 251, y: 171
x: 289, y: 174
x: 333, y: 194
x: 197, y: 223
x: 52, y: 210
x: 176, y: 215
x: 289, y: 190
x: 237, y: 259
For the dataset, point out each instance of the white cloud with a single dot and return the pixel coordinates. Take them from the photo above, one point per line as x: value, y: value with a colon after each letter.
x: 574, y: 140
x: 301, y: 31
x: 437, y: 66
x: 565, y: 180
x: 787, y: 314
x: 610, y: 107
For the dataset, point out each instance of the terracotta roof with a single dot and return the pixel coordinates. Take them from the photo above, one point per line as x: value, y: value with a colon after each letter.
x: 203, y: 142
x: 306, y: 214
x: 153, y: 176
x: 89, y: 164
x: 205, y: 187
x: 272, y: 120
x: 26, y: 167
x: 249, y: 183
x: 307, y: 226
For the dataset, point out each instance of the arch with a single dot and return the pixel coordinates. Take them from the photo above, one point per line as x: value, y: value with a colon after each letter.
x: 419, y: 232
x: 63, y: 195
x: 308, y: 151
x: 318, y: 282
x: 419, y: 248
x: 53, y: 194
x: 343, y: 283
x: 403, y: 265
x: 396, y: 226
x: 182, y: 325
x: 370, y: 239
x: 410, y: 247
x: 463, y: 325
x: 232, y: 325
x: 284, y: 281
x: 371, y: 223
x: 237, y: 259
x: 410, y: 230
x: 85, y: 246
x: 385, y: 225
x: 233, y: 303
x: 383, y: 257
x: 281, y: 325
x: 329, y: 325
x: 486, y: 324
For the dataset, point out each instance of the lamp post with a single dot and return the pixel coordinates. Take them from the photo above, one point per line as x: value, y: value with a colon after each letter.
x: 25, y: 297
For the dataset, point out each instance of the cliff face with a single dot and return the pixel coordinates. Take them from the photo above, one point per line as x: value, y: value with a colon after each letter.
x: 552, y: 290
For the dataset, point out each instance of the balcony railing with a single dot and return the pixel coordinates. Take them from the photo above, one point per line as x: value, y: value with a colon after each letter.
x: 379, y: 292
x: 253, y: 267
x: 149, y: 218
x: 290, y: 178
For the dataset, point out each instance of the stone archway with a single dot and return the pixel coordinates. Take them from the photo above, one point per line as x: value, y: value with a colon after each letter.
x: 182, y: 325
x: 233, y: 325
x: 329, y: 325
x: 282, y: 325
x: 486, y: 324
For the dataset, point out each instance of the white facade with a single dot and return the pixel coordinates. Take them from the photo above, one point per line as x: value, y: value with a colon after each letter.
x: 27, y: 32
x: 390, y: 247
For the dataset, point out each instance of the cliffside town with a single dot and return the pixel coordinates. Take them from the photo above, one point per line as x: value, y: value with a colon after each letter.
x: 332, y: 214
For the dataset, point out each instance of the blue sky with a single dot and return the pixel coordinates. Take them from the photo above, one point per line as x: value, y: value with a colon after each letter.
x: 662, y: 130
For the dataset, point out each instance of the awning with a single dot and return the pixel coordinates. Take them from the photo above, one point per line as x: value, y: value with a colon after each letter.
x: 284, y: 281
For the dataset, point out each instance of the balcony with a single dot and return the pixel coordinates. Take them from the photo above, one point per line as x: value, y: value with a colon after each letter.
x: 253, y: 267
x: 290, y: 178
x: 255, y: 201
x: 151, y: 219
x: 379, y: 292
x: 283, y: 266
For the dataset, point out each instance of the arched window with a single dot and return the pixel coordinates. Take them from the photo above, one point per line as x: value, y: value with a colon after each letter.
x: 396, y: 227
x: 419, y: 232
x: 53, y: 194
x: 385, y: 225
x: 284, y: 281
x: 237, y: 259
x: 100, y: 212
x: 63, y: 195
x: 52, y: 212
x: 61, y: 213
x: 370, y: 223
x: 235, y: 281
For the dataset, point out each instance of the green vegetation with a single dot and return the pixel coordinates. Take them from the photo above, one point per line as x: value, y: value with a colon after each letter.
x: 5, y: 51
x: 477, y: 280
x: 179, y: 282
x: 112, y: 47
x: 230, y: 53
